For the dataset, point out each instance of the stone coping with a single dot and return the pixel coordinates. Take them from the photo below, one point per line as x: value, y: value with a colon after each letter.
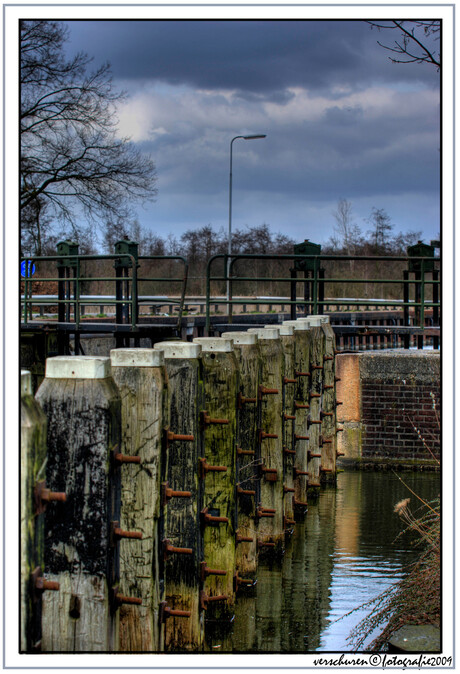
x: 214, y: 344
x: 78, y: 367
x: 178, y: 349
x: 137, y: 357
x: 241, y: 337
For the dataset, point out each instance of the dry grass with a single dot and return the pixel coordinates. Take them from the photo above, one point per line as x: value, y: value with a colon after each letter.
x: 416, y: 599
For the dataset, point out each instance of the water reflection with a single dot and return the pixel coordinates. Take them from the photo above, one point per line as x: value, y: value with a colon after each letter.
x: 345, y: 552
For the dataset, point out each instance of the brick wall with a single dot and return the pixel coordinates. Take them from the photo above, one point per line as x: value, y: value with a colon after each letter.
x: 391, y: 406
x: 400, y: 419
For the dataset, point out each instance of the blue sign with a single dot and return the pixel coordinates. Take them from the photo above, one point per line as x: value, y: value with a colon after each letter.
x: 30, y: 271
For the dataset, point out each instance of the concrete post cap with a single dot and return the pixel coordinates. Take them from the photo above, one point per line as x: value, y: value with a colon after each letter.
x: 78, y: 367
x: 312, y: 321
x: 283, y: 329
x: 298, y: 325
x: 136, y: 358
x: 178, y: 349
x: 266, y: 333
x: 26, y: 383
x: 215, y: 344
x: 241, y: 337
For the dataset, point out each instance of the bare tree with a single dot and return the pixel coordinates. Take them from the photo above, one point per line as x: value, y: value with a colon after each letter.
x: 381, y: 225
x: 415, y: 42
x: 348, y: 233
x: 72, y: 160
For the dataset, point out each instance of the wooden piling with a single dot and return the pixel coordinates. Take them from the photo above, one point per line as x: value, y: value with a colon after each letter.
x: 269, y: 514
x: 218, y: 475
x: 247, y: 353
x: 82, y: 406
x: 301, y: 444
x: 287, y: 338
x: 328, y: 438
x: 316, y: 392
x: 33, y: 464
x: 181, y: 527
x: 141, y: 380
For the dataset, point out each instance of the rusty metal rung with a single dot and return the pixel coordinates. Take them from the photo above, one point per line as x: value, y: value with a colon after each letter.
x: 206, y: 420
x: 245, y: 452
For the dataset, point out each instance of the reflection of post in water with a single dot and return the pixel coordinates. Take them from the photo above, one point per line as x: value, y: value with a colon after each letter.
x: 348, y: 515
x: 269, y: 617
x: 320, y: 530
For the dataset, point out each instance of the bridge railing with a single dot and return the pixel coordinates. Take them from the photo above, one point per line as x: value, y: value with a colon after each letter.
x: 319, y: 290
x: 69, y: 287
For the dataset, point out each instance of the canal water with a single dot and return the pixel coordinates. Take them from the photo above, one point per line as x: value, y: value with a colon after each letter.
x: 348, y: 550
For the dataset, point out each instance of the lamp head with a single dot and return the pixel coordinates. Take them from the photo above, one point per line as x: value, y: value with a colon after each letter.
x: 254, y: 137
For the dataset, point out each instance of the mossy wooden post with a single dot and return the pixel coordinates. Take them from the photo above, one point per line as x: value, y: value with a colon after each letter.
x: 33, y: 465
x: 287, y: 338
x: 218, y: 475
x: 316, y: 393
x: 248, y: 356
x: 82, y: 406
x: 328, y: 438
x: 140, y: 377
x: 181, y: 526
x: 270, y: 509
x: 301, y: 444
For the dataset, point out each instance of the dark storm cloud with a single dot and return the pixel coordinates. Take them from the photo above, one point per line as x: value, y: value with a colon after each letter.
x: 246, y: 56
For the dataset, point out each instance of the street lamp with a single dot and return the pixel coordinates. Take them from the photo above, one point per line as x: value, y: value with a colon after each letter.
x: 230, y: 210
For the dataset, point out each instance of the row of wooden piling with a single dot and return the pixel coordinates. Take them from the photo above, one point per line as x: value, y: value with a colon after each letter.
x: 153, y: 480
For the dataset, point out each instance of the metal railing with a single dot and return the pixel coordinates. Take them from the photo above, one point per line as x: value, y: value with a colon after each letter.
x: 316, y: 280
x: 70, y: 298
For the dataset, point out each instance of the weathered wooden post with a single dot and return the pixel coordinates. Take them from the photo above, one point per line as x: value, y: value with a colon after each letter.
x: 314, y: 420
x: 218, y: 476
x: 301, y: 444
x: 140, y: 377
x: 82, y: 406
x: 269, y: 513
x: 34, y: 498
x: 289, y: 381
x: 181, y: 538
x: 248, y: 356
x: 328, y: 437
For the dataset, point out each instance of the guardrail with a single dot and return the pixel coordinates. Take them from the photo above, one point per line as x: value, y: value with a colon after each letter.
x: 70, y: 300
x: 425, y: 270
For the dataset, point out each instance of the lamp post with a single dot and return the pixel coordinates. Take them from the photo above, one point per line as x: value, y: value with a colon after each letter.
x: 230, y: 211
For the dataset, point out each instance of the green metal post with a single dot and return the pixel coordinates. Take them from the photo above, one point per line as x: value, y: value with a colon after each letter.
x: 208, y: 292
x: 315, y: 285
x: 77, y: 295
x: 134, y: 298
x: 422, y: 302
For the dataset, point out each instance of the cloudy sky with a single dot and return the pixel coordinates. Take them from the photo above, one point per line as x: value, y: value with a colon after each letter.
x: 341, y: 121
